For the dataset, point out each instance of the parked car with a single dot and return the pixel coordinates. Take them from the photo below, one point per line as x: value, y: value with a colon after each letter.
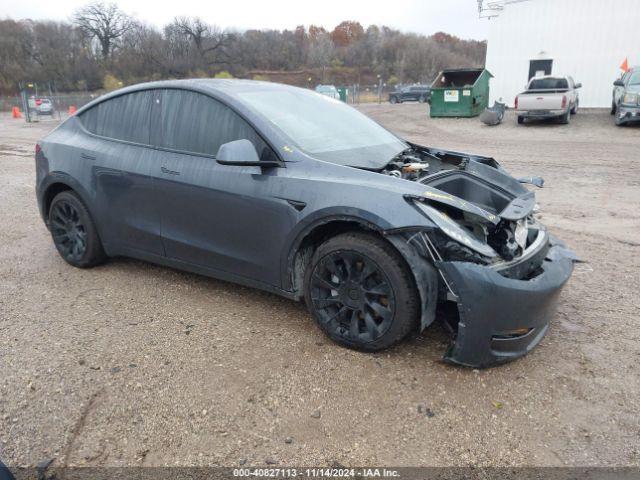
x: 548, y: 97
x: 415, y: 93
x: 282, y: 189
x: 626, y: 97
x: 44, y: 106
x: 328, y: 91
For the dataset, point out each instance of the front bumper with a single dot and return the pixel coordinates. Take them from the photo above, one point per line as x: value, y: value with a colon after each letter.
x: 628, y: 114
x: 500, y: 318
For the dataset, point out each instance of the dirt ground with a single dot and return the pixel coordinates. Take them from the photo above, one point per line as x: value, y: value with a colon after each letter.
x: 135, y: 364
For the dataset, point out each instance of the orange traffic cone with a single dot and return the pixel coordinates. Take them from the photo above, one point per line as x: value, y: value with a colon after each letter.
x: 72, y: 109
x: 15, y: 112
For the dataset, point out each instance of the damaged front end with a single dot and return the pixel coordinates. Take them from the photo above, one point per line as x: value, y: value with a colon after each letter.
x: 494, y: 272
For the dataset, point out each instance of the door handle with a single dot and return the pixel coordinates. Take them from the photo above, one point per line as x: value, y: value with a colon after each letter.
x: 169, y: 172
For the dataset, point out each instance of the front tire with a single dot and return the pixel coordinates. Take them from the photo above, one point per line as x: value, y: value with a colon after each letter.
x: 393, y: 100
x: 360, y: 292
x: 421, y: 99
x: 73, y: 231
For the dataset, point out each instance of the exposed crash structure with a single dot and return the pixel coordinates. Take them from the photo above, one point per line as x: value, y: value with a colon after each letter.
x: 496, y: 262
x: 292, y: 192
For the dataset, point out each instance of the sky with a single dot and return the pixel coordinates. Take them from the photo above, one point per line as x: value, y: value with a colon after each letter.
x: 458, y: 17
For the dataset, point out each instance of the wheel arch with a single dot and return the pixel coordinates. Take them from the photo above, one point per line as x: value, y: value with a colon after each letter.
x: 310, y: 238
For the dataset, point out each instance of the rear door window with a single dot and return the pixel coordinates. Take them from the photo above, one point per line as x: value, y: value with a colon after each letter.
x: 195, y: 123
x: 125, y: 117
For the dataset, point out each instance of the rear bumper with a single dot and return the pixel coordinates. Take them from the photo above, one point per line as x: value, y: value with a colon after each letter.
x: 500, y: 318
x: 541, y: 114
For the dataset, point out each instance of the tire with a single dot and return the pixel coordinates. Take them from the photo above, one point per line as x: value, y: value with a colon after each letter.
x: 421, y: 99
x: 73, y: 232
x: 574, y: 110
x: 365, y: 313
x: 520, y: 120
x: 393, y: 100
x: 564, y: 119
x: 614, y: 109
x: 618, y: 121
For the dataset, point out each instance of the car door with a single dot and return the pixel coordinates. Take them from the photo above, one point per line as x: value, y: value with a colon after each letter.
x: 118, y: 149
x: 224, y: 218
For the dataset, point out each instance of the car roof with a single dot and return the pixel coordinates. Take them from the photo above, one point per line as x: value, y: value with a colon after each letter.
x: 214, y: 86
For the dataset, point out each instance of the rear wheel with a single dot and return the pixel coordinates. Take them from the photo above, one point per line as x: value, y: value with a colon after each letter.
x: 73, y: 231
x: 393, y: 100
x: 574, y: 110
x: 421, y: 99
x: 360, y: 292
x: 520, y: 120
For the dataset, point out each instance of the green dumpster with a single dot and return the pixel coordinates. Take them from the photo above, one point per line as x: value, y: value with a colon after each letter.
x: 460, y: 92
x: 343, y: 92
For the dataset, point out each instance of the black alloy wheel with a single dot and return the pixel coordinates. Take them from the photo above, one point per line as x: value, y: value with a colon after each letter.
x: 353, y: 296
x: 69, y: 234
x: 73, y: 231
x: 361, y: 293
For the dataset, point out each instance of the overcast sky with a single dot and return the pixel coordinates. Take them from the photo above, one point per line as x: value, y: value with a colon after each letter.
x: 459, y: 17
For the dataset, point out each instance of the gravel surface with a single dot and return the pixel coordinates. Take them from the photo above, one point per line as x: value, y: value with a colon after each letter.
x: 135, y: 364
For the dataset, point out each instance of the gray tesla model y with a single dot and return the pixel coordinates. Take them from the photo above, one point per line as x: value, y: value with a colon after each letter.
x: 283, y: 189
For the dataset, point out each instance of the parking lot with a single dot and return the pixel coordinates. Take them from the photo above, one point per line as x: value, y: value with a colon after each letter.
x: 135, y: 364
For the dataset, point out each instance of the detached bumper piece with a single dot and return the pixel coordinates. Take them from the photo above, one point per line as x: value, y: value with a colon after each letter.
x: 502, y: 318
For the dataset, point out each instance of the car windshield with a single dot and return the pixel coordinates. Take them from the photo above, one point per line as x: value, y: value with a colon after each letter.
x: 325, y: 128
x: 635, y: 78
x: 548, y: 83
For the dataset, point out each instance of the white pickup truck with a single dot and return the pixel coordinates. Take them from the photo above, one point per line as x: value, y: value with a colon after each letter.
x: 548, y: 97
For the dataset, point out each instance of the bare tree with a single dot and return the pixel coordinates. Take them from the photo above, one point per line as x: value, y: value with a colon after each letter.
x: 104, y: 22
x: 209, y: 41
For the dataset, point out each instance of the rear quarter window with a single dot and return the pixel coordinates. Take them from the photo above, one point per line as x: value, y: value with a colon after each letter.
x: 126, y: 117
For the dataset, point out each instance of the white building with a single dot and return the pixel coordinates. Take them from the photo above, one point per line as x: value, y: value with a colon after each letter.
x: 585, y: 39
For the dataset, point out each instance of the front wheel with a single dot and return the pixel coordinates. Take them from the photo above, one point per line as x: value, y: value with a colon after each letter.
x: 361, y: 292
x: 73, y: 231
x: 393, y: 100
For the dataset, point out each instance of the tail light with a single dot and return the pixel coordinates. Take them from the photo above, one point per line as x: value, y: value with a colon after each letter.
x: 516, y: 103
x: 564, y: 101
x: 38, y: 148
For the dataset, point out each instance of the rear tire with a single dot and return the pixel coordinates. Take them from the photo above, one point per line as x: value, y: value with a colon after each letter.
x: 574, y: 110
x: 73, y: 231
x: 421, y: 99
x: 564, y: 119
x: 360, y: 292
x: 520, y: 120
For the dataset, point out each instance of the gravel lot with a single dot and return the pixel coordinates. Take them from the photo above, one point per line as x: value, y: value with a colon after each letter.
x: 135, y: 364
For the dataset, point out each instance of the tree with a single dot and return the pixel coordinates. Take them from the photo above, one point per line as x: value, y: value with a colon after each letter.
x: 210, y: 43
x: 104, y: 22
x: 346, y: 33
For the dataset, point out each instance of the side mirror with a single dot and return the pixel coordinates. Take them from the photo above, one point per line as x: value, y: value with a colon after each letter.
x: 577, y: 85
x: 241, y: 153
x: 618, y: 83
